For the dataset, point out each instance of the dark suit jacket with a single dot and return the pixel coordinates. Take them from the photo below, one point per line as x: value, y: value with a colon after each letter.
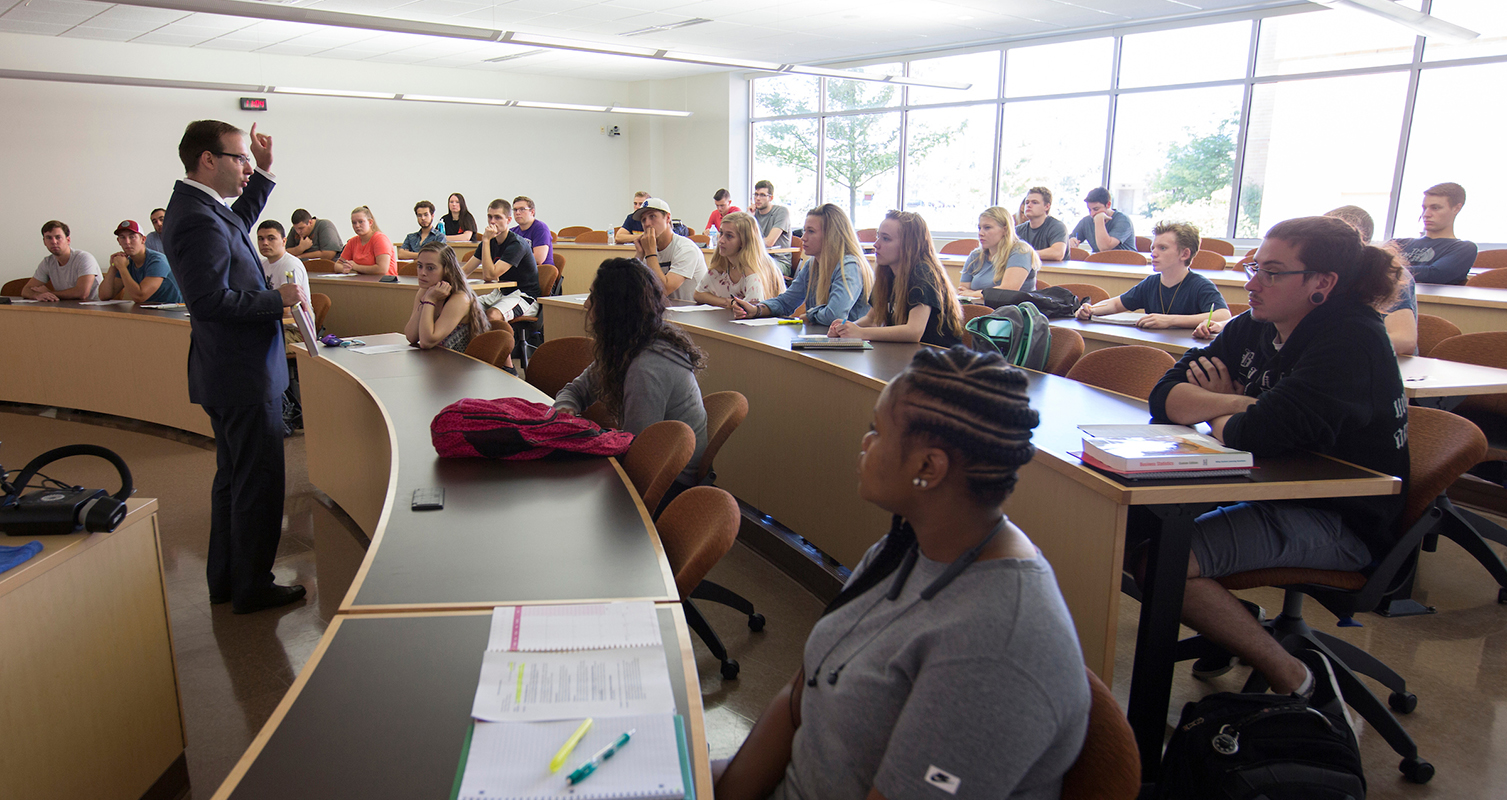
x: 235, y: 356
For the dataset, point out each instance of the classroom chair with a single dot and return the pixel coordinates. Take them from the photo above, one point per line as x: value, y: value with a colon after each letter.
x: 1249, y: 255
x: 1207, y: 259
x: 700, y: 238
x: 1077, y: 254
x: 1109, y: 765
x: 559, y: 268
x: 1130, y: 369
x: 1236, y: 309
x: 868, y: 235
x: 1041, y: 284
x: 572, y: 231
x: 657, y: 455
x: 973, y: 311
x: 591, y: 237
x: 697, y: 529
x: 1431, y: 331
x: 1118, y: 257
x: 558, y: 362
x: 1143, y: 244
x: 1094, y: 293
x: 409, y: 266
x: 1441, y: 447
x: 800, y: 252
x: 1490, y: 279
x: 12, y: 288
x: 321, y: 304
x: 1067, y: 348
x: 1490, y: 259
x: 492, y: 347
x: 314, y: 265
x: 1218, y: 246
x: 960, y: 247
x: 526, y: 330
x: 725, y: 411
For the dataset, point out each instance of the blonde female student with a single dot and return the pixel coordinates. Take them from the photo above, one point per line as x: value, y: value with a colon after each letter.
x: 1001, y: 261
x: 740, y: 268
x: 445, y: 311
x: 369, y: 252
x: 833, y: 284
x: 913, y: 300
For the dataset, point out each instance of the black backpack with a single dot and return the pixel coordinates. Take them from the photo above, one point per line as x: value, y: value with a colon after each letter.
x: 1054, y: 302
x: 1232, y: 746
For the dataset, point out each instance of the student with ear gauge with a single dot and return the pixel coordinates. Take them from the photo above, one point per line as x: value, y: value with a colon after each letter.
x: 949, y: 660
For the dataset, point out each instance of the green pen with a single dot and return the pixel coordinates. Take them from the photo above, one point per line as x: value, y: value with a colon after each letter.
x: 584, y: 771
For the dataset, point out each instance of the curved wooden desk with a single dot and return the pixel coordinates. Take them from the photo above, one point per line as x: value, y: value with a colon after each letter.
x: 363, y: 304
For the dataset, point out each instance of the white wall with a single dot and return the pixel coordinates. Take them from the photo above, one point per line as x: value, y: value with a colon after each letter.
x: 92, y: 155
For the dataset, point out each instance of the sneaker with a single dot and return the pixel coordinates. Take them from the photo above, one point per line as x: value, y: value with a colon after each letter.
x: 1210, y: 667
x: 1324, y: 691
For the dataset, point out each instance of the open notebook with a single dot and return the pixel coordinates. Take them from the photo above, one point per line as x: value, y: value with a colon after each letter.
x: 510, y: 760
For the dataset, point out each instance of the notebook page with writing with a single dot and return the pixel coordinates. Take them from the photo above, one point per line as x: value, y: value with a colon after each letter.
x: 510, y: 760
x: 584, y: 626
x: 530, y: 687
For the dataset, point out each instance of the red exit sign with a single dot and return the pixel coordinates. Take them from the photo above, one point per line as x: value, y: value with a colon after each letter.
x: 253, y: 104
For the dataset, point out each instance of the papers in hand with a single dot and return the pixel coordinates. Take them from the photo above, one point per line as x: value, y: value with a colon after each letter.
x: 584, y: 626
x: 307, y: 330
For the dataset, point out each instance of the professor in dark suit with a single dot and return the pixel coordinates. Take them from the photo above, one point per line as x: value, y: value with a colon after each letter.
x: 237, y: 369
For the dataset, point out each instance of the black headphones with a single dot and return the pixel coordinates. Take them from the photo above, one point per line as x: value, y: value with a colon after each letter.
x: 66, y: 509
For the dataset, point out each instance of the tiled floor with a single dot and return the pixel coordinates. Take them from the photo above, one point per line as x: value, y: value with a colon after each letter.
x: 234, y: 670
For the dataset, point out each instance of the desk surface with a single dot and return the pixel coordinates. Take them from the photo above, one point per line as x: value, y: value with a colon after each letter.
x: 408, y: 282
x: 383, y: 707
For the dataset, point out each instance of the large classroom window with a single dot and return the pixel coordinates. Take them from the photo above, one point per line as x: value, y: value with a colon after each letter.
x: 1231, y: 126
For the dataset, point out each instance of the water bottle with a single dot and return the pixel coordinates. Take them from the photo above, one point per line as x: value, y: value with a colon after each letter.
x: 711, y: 236
x: 611, y: 235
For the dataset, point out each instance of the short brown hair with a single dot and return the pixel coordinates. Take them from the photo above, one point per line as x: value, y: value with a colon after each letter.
x: 1453, y: 192
x: 641, y: 193
x: 202, y: 135
x: 52, y: 223
x: 501, y: 204
x: 765, y: 185
x: 423, y: 204
x: 1358, y: 218
x: 1187, y: 235
x: 301, y: 216
x: 1046, y: 194
x: 721, y: 194
x: 528, y: 201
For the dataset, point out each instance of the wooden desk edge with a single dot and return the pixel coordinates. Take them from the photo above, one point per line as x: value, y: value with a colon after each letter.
x: 136, y: 509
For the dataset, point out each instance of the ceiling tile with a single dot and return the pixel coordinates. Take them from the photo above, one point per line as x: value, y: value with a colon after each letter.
x: 148, y: 17
x: 177, y: 39
x: 238, y: 45
x: 39, y: 28
x: 106, y: 34
x: 438, y: 9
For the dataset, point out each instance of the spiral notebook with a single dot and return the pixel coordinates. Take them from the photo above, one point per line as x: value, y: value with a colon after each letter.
x: 510, y: 761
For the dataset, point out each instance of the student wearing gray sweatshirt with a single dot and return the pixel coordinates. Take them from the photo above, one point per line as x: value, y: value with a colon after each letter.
x: 644, y: 370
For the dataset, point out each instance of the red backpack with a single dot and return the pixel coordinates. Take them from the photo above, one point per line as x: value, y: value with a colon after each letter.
x: 514, y: 429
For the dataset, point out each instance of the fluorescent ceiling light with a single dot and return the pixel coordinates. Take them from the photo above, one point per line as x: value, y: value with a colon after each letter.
x: 513, y: 56
x: 434, y: 98
x: 558, y: 106
x: 652, y: 111
x: 338, y: 19
x: 685, y: 23
x: 335, y: 93
x: 1432, y: 27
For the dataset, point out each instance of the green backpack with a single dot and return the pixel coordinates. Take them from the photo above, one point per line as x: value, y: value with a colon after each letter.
x: 1020, y: 333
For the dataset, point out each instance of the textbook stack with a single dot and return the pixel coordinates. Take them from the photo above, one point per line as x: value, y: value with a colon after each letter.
x: 1161, y: 451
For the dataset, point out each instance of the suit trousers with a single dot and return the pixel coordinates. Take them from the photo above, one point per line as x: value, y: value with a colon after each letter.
x: 246, y: 516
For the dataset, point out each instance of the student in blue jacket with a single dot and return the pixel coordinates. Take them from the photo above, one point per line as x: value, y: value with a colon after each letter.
x: 833, y: 284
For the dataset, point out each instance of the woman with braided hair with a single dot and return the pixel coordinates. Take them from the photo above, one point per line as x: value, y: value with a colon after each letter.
x: 949, y: 660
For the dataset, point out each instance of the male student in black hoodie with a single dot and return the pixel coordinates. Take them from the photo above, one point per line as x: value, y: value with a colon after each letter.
x: 1309, y: 368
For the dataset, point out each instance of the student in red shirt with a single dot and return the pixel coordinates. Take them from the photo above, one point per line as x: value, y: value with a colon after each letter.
x: 369, y: 252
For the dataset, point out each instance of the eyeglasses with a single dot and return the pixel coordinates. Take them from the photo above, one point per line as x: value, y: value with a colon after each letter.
x: 763, y: 194
x: 1269, y: 276
x: 244, y: 160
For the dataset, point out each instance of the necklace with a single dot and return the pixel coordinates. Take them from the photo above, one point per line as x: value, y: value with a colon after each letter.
x: 1163, y: 300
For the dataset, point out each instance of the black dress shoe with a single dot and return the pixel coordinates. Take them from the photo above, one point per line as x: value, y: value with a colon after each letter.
x: 271, y: 597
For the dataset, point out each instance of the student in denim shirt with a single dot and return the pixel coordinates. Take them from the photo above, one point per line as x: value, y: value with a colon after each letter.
x: 430, y: 230
x: 834, y: 284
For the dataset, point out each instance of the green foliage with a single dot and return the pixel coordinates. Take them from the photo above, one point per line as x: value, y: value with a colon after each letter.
x: 1196, y: 168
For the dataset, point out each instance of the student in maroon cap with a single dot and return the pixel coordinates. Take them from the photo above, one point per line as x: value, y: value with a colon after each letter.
x: 137, y: 273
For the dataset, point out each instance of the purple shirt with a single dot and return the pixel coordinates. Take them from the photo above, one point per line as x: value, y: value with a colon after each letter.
x: 538, y: 234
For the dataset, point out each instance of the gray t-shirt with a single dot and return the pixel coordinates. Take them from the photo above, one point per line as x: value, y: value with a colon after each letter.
x: 324, y: 235
x: 1050, y: 232
x: 983, y: 683
x: 1119, y: 227
x: 978, y: 272
x: 64, y: 276
x: 777, y: 217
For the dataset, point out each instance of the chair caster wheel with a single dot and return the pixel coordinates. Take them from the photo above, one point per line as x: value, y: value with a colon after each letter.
x: 730, y: 672
x: 1403, y: 702
x: 1416, y: 769
x: 756, y: 622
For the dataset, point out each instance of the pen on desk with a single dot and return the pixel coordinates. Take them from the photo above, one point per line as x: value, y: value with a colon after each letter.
x: 570, y: 744
x: 585, y: 770
x: 791, y: 322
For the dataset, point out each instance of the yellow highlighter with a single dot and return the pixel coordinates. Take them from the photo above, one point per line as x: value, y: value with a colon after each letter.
x: 570, y: 744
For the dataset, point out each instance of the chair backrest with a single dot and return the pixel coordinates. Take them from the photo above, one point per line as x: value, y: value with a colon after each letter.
x: 592, y: 237
x: 960, y: 247
x: 1067, y: 348
x: 800, y: 250
x: 1490, y: 279
x: 1490, y: 259
x: 548, y: 274
x: 409, y: 267
x: 725, y: 411
x: 571, y: 231
x: 971, y: 311
x: 314, y: 265
x: 1236, y: 309
x: 1441, y: 447
x: 12, y: 288
x: 868, y: 235
x: 657, y: 455
x: 1488, y: 349
x: 559, y: 263
x: 697, y: 529
x: 554, y: 236
x: 558, y: 362
x: 493, y: 347
x: 1207, y: 259
x: 1143, y: 244
x: 1078, y: 254
x: 1094, y: 293
x: 321, y: 308
x: 1109, y: 765
x: 1432, y: 330
x: 1117, y: 257
x: 1131, y: 369
x: 1219, y: 246
x: 700, y: 238
x: 1041, y: 284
